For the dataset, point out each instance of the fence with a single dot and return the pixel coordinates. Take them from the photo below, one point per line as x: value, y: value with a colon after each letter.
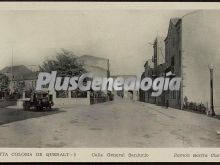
x: 201, y: 108
x: 68, y: 102
x: 5, y: 103
x: 98, y: 100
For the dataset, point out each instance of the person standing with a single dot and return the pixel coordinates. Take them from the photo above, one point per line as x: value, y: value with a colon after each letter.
x: 167, y: 103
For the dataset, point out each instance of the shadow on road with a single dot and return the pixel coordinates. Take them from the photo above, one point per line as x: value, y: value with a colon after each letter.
x: 11, y: 115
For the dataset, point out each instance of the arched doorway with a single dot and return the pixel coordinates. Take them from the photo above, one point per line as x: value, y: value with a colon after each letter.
x: 130, y: 95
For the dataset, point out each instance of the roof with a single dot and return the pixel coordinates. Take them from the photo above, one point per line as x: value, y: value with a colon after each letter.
x: 83, y: 57
x: 20, y: 72
x: 175, y: 20
x: 124, y: 76
x: 17, y: 68
x: 93, y: 62
x: 41, y: 92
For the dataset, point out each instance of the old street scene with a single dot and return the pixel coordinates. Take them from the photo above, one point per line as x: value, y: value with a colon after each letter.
x: 123, y: 43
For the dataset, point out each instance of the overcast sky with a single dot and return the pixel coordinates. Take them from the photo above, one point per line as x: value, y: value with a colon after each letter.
x: 122, y: 36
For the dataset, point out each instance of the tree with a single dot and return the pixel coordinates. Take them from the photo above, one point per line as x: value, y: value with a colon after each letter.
x: 65, y: 64
x: 4, y: 85
x: 4, y: 82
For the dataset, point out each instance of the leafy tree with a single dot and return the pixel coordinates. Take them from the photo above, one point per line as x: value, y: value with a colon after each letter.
x: 65, y: 64
x: 19, y: 87
x: 4, y: 85
x: 4, y: 82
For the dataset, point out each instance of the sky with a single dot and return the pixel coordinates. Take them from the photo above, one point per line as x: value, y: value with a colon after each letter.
x: 123, y: 36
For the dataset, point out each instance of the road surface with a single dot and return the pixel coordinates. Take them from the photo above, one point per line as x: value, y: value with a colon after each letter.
x: 114, y: 124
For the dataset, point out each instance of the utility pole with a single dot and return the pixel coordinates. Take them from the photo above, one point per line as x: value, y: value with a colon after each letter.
x: 108, y: 71
x: 211, y: 68
x: 108, y: 75
x: 11, y: 69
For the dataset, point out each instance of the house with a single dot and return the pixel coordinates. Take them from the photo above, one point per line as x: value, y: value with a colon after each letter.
x: 99, y: 67
x: 96, y: 65
x: 21, y: 78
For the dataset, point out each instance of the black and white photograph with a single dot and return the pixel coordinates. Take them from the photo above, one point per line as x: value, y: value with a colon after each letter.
x: 110, y: 78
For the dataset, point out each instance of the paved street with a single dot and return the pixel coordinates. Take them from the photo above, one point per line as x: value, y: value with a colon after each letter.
x: 114, y: 124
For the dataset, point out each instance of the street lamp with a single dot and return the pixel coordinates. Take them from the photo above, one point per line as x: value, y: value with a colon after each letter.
x: 211, y: 68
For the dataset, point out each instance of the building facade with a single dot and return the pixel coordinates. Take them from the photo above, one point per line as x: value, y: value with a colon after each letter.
x: 159, y: 54
x: 191, y: 45
x: 145, y: 96
x: 200, y: 48
x: 154, y: 68
x: 173, y: 59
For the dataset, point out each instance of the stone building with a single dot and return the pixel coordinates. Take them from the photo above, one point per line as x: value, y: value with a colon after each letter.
x: 173, y: 59
x: 191, y: 46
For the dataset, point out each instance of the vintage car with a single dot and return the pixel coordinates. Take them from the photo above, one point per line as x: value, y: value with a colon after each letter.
x: 39, y: 100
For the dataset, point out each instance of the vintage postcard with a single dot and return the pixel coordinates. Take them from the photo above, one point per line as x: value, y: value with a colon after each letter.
x: 109, y: 81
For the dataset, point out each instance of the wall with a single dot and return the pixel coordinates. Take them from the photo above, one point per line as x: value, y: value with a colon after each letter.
x: 4, y: 103
x: 68, y: 102
x: 96, y: 71
x: 149, y: 69
x: 173, y: 49
x: 160, y: 50
x: 200, y: 47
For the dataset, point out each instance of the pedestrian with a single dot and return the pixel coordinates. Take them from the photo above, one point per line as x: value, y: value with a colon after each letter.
x: 185, y: 102
x: 167, y: 103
